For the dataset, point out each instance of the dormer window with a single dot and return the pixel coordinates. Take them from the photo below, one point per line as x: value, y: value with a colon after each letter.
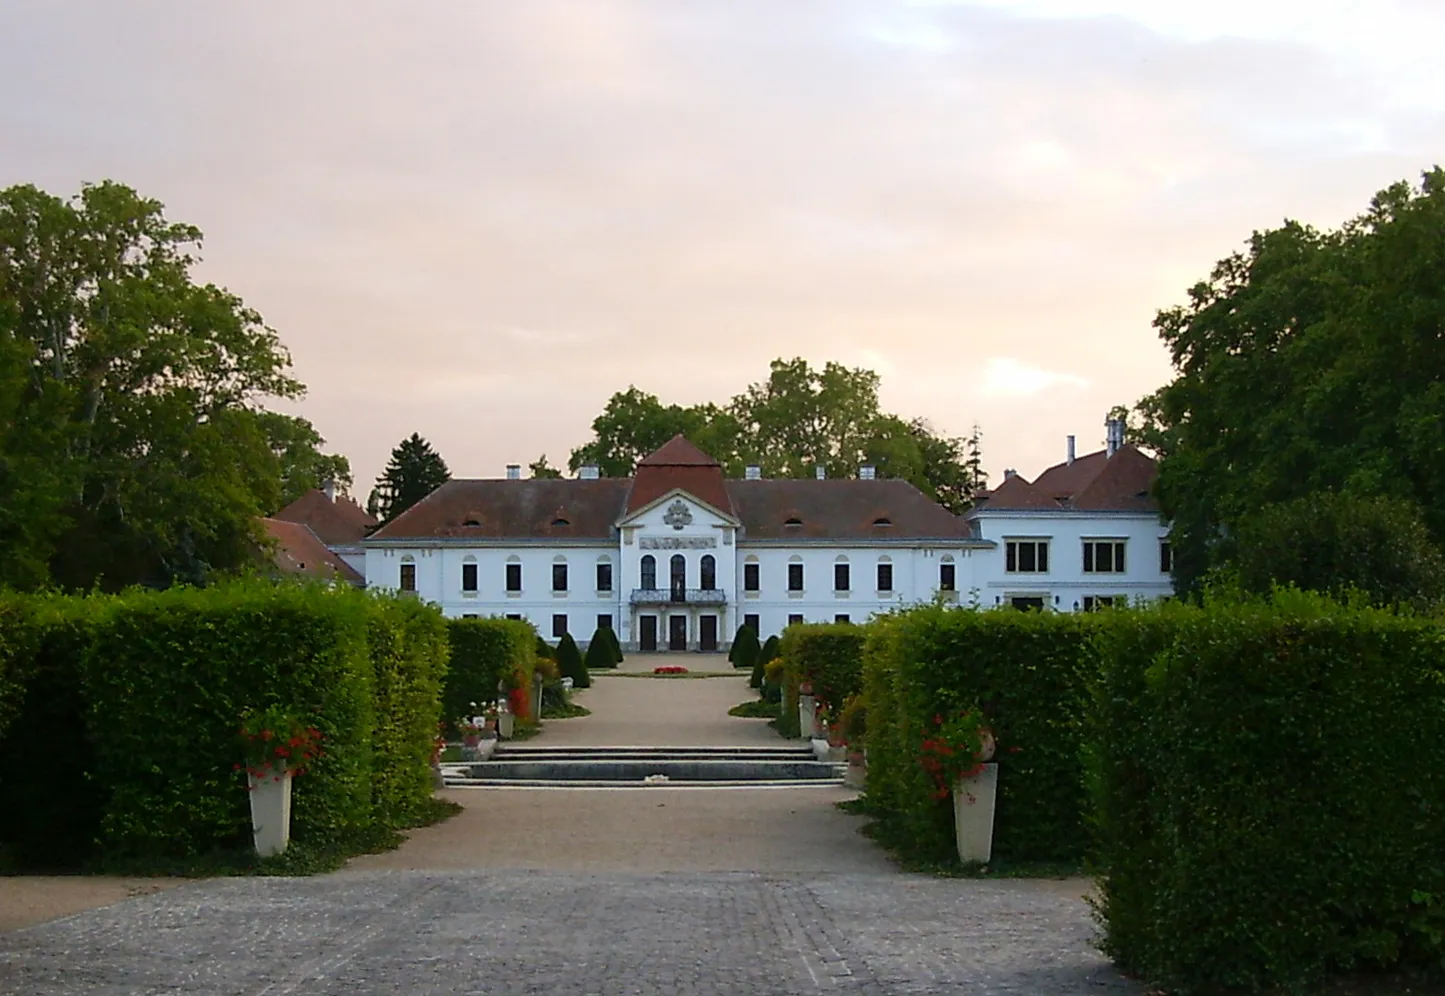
x: 793, y: 523
x: 471, y: 522
x: 882, y: 521
x: 559, y: 521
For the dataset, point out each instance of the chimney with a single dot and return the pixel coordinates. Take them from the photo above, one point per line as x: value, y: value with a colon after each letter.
x: 1071, y: 450
x: 753, y: 472
x: 821, y: 473
x: 590, y: 472
x: 1115, y: 437
x: 867, y: 472
x: 1010, y: 474
x: 514, y: 471
x: 329, y: 489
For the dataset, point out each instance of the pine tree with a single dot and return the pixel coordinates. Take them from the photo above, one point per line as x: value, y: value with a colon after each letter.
x: 569, y: 662
x: 415, y: 471
x: 599, y: 651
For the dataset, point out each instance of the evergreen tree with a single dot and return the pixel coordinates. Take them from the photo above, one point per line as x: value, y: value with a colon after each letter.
x: 415, y: 471
x: 569, y: 662
x: 615, y: 644
x: 544, y: 650
x: 599, y: 651
x: 745, y: 648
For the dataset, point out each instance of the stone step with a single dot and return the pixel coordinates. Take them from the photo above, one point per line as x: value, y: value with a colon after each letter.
x: 509, y: 753
x: 638, y: 770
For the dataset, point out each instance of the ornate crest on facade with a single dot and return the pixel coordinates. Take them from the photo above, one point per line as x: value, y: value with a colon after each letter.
x: 678, y: 514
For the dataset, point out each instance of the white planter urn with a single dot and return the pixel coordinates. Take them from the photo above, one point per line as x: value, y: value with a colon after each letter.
x: 271, y: 812
x: 807, y: 717
x: 505, y: 724
x: 973, y: 807
x: 821, y: 749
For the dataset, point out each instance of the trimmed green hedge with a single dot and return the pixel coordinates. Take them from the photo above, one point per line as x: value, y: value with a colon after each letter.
x: 829, y: 655
x: 569, y: 662
x: 1269, y: 782
x: 1028, y: 672
x: 409, y: 664
x: 132, y: 707
x: 485, y: 654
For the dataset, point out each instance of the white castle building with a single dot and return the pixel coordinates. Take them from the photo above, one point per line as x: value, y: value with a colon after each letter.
x: 676, y: 557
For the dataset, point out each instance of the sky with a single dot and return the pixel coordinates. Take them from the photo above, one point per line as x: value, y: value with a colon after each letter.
x: 478, y: 219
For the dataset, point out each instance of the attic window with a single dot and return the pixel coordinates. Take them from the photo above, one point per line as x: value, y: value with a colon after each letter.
x: 883, y: 521
x: 793, y: 522
x: 559, y: 521
x: 471, y: 522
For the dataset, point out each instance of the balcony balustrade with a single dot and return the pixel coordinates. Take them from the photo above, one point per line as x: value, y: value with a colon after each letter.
x: 679, y: 596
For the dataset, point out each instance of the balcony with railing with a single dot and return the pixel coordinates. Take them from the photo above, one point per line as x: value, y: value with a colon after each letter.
x: 679, y: 596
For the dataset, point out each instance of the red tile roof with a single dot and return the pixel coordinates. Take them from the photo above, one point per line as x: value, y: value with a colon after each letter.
x: 841, y: 509
x: 678, y: 451
x: 679, y: 465
x: 338, y: 523
x: 1095, y: 482
x: 298, y: 550
x: 1017, y: 493
x: 538, y: 508
x: 1123, y: 485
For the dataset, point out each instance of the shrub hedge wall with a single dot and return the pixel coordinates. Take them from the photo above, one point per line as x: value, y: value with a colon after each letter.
x: 1028, y: 672
x: 829, y: 655
x: 1270, y: 792
x: 485, y: 653
x: 134, y: 704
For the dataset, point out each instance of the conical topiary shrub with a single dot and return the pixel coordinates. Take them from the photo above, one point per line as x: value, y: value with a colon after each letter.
x: 615, y: 644
x: 745, y: 649
x: 599, y: 651
x: 569, y: 662
x: 544, y: 649
x: 768, y: 652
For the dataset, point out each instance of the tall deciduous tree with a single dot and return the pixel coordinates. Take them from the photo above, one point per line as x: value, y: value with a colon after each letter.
x: 1310, y: 362
x: 297, y: 447
x: 414, y: 471
x: 797, y: 420
x: 131, y: 449
x: 540, y: 468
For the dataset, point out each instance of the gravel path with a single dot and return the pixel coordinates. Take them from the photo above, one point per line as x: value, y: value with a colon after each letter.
x: 500, y: 933
x: 613, y: 891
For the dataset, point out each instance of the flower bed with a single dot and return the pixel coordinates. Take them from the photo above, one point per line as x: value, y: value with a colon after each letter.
x: 670, y: 669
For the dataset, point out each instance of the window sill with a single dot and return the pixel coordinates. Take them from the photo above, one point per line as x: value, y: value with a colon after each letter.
x: 514, y: 594
x: 604, y: 592
x: 842, y: 594
x: 559, y: 594
x: 469, y: 594
x: 795, y: 594
x: 752, y: 594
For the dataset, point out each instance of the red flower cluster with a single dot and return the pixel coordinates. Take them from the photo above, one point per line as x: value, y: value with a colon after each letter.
x: 276, y: 743
x: 519, y: 702
x: 955, y: 750
x: 670, y: 669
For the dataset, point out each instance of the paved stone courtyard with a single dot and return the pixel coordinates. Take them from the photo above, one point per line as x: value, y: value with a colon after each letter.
x: 516, y: 932
x: 629, y: 891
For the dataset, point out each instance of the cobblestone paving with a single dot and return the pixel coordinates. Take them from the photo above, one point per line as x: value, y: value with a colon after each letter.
x: 515, y: 932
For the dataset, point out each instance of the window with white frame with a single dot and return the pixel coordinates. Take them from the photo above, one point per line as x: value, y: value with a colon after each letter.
x: 841, y: 579
x: 1104, y: 556
x: 1026, y: 556
x: 408, y: 575
x: 795, y: 575
x: 947, y: 575
x: 514, y: 574
x: 469, y: 575
x: 604, y: 575
x: 1166, y: 557
x: 559, y: 575
x: 750, y: 574
x: 885, y: 575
